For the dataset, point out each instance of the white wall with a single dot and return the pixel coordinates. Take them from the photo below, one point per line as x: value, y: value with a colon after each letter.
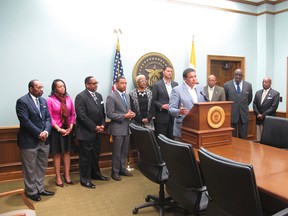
x: 71, y: 39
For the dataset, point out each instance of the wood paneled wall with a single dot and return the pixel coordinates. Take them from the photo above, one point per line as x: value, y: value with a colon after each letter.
x: 10, y: 161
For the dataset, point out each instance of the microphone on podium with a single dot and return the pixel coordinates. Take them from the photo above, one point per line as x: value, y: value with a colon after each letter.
x: 204, y: 96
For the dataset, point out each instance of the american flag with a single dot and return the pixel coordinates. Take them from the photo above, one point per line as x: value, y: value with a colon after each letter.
x: 118, y: 69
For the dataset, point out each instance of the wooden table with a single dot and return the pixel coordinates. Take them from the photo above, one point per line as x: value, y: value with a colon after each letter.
x: 270, y: 164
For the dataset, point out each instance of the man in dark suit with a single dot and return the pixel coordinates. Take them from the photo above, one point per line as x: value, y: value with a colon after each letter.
x: 212, y: 91
x: 90, y: 123
x: 265, y: 103
x: 161, y: 92
x: 240, y: 92
x: 118, y: 110
x: 35, y: 126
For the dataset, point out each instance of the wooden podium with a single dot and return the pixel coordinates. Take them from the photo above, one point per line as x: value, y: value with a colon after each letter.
x: 208, y: 124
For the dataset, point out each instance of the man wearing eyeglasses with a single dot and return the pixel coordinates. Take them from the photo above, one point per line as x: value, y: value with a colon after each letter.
x: 90, y: 123
x: 240, y: 92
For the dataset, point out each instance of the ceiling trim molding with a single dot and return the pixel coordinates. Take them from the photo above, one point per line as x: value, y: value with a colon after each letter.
x: 182, y: 2
x: 258, y: 3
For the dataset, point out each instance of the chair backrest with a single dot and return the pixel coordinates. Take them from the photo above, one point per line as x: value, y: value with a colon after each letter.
x: 185, y: 178
x: 146, y: 144
x: 150, y: 161
x: 231, y: 185
x: 275, y: 132
x: 181, y: 162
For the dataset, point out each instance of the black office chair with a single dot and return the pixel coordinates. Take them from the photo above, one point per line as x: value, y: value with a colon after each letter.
x: 231, y: 186
x: 151, y: 165
x: 185, y: 184
x: 275, y: 132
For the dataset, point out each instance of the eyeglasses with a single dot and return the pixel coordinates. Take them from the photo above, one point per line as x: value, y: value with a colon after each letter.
x: 94, y: 83
x: 143, y: 81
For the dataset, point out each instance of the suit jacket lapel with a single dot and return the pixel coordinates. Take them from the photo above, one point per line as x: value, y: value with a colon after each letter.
x: 185, y: 90
x: 163, y: 86
x: 120, y: 100
x: 90, y: 97
x: 32, y: 102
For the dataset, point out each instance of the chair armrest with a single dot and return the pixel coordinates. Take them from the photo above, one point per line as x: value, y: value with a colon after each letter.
x: 283, y: 212
x: 22, y: 194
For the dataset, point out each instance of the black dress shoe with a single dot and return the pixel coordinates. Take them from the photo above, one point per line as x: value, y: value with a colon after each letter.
x: 88, y: 185
x: 65, y: 180
x: 46, y: 193
x: 126, y: 173
x: 34, y: 197
x: 116, y: 177
x: 101, y: 178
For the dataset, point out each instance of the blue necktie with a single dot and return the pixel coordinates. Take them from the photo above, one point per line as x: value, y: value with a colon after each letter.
x: 238, y: 89
x: 124, y: 100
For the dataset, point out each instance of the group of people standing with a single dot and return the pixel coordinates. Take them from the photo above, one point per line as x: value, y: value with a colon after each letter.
x: 162, y: 109
x: 46, y: 126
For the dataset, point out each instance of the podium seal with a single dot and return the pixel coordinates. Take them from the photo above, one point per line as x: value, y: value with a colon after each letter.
x: 216, y: 117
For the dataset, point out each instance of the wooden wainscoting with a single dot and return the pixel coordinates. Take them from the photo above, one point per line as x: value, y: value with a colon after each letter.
x: 252, y: 124
x: 10, y: 161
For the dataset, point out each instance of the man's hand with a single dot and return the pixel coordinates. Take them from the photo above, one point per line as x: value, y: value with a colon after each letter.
x: 43, y: 136
x: 183, y: 110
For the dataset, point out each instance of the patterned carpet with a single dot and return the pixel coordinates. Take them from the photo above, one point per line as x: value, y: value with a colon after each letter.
x: 110, y: 198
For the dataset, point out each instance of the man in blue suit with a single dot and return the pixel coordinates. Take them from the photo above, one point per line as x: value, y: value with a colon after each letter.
x: 240, y: 92
x: 182, y: 99
x: 35, y: 126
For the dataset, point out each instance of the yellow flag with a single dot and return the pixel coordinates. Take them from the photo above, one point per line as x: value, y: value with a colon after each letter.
x: 193, y: 57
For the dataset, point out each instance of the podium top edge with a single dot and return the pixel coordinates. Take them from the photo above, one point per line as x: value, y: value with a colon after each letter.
x: 214, y: 102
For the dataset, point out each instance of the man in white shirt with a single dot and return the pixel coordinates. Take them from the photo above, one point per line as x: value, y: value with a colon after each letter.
x: 212, y: 91
x: 265, y: 103
x: 184, y: 95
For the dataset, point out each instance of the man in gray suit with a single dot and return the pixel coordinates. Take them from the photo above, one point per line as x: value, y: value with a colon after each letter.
x: 212, y: 91
x: 161, y: 93
x: 182, y: 99
x: 240, y: 92
x: 118, y: 110
x: 265, y: 103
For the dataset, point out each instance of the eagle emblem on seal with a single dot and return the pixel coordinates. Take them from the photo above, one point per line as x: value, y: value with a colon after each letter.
x: 151, y: 66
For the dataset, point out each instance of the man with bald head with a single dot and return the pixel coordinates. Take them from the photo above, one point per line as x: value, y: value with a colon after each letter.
x: 265, y: 103
x: 240, y: 92
x: 212, y: 91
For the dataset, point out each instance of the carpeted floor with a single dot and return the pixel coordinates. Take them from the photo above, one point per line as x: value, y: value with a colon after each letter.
x: 110, y: 198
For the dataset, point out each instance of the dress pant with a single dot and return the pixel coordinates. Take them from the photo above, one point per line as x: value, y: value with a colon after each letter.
x: 240, y: 129
x: 259, y: 130
x: 119, y: 154
x: 95, y: 169
x: 89, y: 153
x: 34, y: 165
x: 164, y: 128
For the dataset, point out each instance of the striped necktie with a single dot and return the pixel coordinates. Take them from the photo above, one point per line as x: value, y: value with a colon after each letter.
x: 94, y: 96
x: 124, y: 100
x: 38, y: 106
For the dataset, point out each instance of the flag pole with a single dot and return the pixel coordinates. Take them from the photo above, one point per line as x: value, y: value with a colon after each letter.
x: 118, y: 68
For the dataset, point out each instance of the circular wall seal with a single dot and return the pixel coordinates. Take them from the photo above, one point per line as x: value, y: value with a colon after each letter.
x: 151, y: 66
x: 216, y: 116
